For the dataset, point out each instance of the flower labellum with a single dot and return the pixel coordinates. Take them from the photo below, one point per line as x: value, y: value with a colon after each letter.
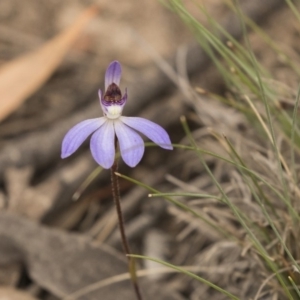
x: 112, y: 124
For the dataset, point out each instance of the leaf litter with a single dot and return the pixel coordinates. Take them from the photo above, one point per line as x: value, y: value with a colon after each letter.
x: 52, y: 253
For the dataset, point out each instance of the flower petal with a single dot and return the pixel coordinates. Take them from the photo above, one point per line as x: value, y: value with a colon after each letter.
x: 103, y: 145
x: 151, y: 130
x: 100, y: 96
x: 131, y: 144
x: 113, y: 74
x: 77, y: 135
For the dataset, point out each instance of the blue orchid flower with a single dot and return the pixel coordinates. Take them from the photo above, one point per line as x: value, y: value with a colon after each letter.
x: 105, y: 129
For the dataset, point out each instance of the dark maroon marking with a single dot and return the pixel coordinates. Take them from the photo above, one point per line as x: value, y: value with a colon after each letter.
x: 113, y: 93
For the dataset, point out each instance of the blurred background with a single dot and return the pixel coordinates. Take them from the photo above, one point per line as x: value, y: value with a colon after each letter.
x: 58, y: 228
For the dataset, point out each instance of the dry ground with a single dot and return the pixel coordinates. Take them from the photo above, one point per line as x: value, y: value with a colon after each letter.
x: 40, y: 258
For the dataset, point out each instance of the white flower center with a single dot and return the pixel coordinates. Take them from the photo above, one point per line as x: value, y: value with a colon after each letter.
x: 113, y: 111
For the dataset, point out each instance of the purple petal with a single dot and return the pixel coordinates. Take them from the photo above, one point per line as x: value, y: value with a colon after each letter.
x: 124, y: 98
x: 101, y: 102
x: 151, y: 130
x: 100, y: 95
x: 103, y: 145
x: 77, y: 135
x: 113, y: 74
x: 131, y: 144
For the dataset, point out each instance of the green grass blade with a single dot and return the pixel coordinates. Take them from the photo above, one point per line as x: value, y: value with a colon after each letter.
x: 190, y: 274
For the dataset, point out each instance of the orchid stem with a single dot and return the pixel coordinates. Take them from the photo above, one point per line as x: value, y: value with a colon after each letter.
x: 131, y: 260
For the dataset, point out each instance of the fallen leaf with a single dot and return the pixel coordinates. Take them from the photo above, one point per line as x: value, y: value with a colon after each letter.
x: 64, y: 263
x: 22, y: 76
x: 13, y: 294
